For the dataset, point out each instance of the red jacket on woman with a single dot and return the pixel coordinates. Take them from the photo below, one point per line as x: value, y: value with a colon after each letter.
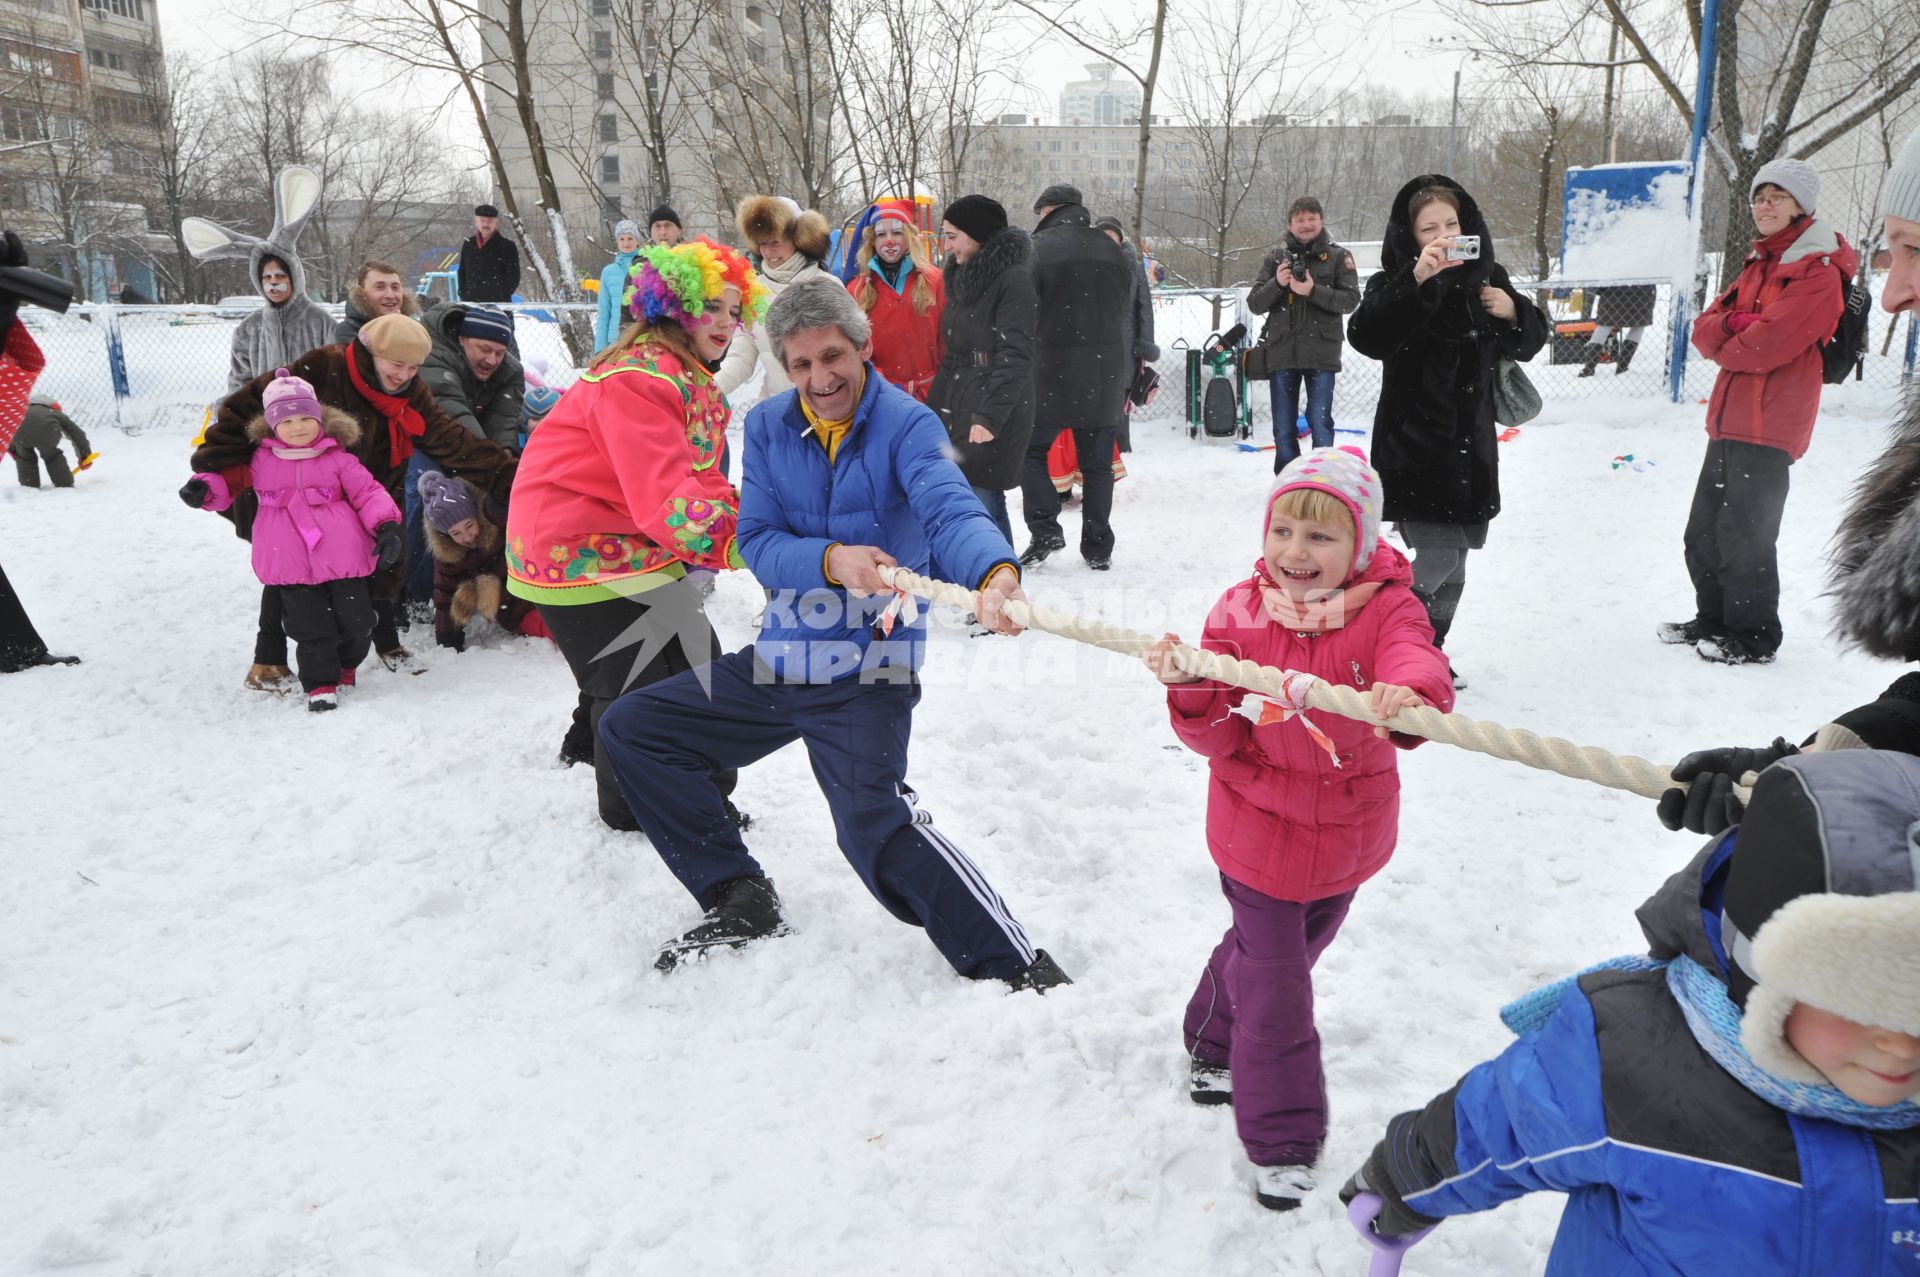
x: 1768, y: 391
x: 1281, y: 818
x: 906, y: 343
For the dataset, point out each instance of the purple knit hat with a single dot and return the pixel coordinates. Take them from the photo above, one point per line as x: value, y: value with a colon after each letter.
x: 288, y: 396
x: 1342, y: 472
x: 445, y: 500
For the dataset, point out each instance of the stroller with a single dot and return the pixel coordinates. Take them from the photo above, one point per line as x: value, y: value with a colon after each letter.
x: 1217, y: 388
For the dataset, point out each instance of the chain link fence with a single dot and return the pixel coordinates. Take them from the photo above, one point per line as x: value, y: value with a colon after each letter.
x: 1185, y: 318
x: 164, y: 367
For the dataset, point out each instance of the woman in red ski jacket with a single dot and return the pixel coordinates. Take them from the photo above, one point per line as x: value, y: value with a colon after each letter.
x: 1765, y: 332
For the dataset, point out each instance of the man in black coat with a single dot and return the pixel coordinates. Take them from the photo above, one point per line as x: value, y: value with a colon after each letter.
x: 1082, y: 366
x: 489, y: 261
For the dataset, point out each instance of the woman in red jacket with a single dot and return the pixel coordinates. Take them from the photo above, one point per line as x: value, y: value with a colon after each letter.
x: 901, y: 290
x: 1765, y: 333
x: 1299, y: 812
x: 621, y: 491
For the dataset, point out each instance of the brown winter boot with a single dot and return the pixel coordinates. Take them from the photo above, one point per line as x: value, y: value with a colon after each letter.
x: 270, y: 678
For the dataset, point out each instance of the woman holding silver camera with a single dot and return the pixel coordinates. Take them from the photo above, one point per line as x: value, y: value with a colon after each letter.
x: 1439, y: 316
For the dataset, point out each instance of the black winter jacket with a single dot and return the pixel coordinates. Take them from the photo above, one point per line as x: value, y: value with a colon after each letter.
x: 1433, y: 431
x: 1303, y: 332
x: 986, y: 375
x: 1082, y: 365
x: 489, y: 274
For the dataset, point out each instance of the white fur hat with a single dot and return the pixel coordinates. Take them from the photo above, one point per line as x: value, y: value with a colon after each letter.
x: 1857, y: 957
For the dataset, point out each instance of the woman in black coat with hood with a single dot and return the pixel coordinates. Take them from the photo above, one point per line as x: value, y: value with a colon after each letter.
x: 984, y: 389
x: 1439, y: 326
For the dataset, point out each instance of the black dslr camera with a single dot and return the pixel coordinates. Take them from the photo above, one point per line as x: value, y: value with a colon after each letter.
x: 21, y: 285
x: 1297, y: 263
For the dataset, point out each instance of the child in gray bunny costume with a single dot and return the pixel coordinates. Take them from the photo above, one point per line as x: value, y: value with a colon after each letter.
x: 290, y: 323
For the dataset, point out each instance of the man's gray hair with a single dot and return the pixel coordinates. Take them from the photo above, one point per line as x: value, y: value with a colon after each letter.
x: 816, y: 302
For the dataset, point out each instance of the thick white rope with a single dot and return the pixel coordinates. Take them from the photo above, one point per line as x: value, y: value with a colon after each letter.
x: 1547, y: 753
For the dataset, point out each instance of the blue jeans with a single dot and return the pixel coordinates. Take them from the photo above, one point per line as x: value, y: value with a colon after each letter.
x: 418, y: 579
x: 1285, y: 388
x: 996, y: 503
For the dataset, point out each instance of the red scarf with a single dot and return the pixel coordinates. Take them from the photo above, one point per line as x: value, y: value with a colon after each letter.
x: 1330, y: 611
x: 404, y: 422
x: 1768, y: 251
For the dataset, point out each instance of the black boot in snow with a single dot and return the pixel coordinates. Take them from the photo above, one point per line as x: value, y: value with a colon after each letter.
x: 1593, y: 357
x: 1626, y: 356
x: 577, y: 745
x: 746, y: 910
x: 1042, y: 973
x: 1209, y: 1083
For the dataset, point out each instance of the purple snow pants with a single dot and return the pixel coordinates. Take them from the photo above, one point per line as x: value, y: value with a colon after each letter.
x: 1253, y: 1012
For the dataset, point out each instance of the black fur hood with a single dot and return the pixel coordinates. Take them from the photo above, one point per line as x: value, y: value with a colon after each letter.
x: 1398, y: 249
x: 1007, y: 250
x: 1876, y: 555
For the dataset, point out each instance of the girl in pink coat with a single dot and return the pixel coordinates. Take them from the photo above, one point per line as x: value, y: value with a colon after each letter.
x: 1300, y: 812
x: 325, y: 525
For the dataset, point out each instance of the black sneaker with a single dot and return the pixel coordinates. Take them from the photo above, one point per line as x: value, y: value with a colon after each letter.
x: 1689, y: 633
x: 1042, y: 973
x: 1209, y: 1083
x: 1728, y: 650
x: 1040, y: 547
x: 747, y: 910
x: 740, y: 819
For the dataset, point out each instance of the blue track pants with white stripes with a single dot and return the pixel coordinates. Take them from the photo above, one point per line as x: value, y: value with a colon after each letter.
x: 666, y: 741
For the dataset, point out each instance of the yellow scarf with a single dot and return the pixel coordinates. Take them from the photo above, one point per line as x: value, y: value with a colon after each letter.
x: 832, y: 433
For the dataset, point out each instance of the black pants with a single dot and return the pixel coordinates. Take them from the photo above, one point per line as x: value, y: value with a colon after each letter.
x: 20, y: 644
x: 1042, y: 503
x: 28, y: 463
x: 1730, y: 538
x: 270, y: 644
x: 1439, y: 579
x: 616, y: 645
x: 331, y: 625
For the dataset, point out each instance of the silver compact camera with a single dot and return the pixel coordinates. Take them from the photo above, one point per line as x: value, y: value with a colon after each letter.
x: 1464, y: 248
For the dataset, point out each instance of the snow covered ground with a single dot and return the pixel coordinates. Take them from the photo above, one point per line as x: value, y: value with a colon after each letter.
x: 372, y: 993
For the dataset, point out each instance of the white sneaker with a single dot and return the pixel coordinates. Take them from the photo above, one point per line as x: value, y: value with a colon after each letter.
x: 1283, y: 1187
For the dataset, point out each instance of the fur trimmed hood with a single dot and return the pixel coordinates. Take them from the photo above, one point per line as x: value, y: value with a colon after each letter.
x: 765, y: 217
x: 357, y: 298
x: 447, y: 550
x: 1876, y: 554
x: 1007, y: 250
x: 335, y: 424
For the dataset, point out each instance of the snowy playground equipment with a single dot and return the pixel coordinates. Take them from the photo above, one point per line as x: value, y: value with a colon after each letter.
x: 1290, y: 693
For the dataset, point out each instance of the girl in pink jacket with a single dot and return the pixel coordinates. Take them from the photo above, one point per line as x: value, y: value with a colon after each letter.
x: 1300, y: 812
x: 325, y: 525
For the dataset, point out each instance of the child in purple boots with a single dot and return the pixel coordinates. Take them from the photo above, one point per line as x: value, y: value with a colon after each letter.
x: 325, y: 525
x: 1300, y: 812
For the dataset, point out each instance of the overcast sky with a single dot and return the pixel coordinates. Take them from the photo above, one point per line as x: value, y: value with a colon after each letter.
x: 1390, y: 43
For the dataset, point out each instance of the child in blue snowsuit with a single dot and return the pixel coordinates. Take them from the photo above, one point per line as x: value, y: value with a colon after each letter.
x: 1742, y: 1101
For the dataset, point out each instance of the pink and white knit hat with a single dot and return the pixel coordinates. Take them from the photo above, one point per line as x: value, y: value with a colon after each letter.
x: 288, y: 396
x: 1344, y: 473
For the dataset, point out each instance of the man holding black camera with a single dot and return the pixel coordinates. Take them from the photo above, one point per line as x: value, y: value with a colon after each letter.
x: 1304, y: 288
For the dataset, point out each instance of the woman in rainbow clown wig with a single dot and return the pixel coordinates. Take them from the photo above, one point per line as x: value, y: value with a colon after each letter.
x: 621, y: 490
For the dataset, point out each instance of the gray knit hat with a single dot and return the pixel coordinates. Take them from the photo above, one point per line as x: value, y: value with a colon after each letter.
x: 627, y: 226
x: 1900, y: 197
x: 1796, y: 177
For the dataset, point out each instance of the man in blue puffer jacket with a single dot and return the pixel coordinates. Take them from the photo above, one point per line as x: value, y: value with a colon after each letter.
x: 1742, y: 1101
x: 843, y: 474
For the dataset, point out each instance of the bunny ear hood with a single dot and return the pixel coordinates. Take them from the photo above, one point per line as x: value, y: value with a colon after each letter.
x: 295, y: 195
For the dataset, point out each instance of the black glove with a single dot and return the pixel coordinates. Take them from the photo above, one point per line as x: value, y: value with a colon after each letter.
x: 1395, y: 1218
x: 387, y: 544
x: 1710, y: 806
x: 196, y: 493
x: 455, y: 639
